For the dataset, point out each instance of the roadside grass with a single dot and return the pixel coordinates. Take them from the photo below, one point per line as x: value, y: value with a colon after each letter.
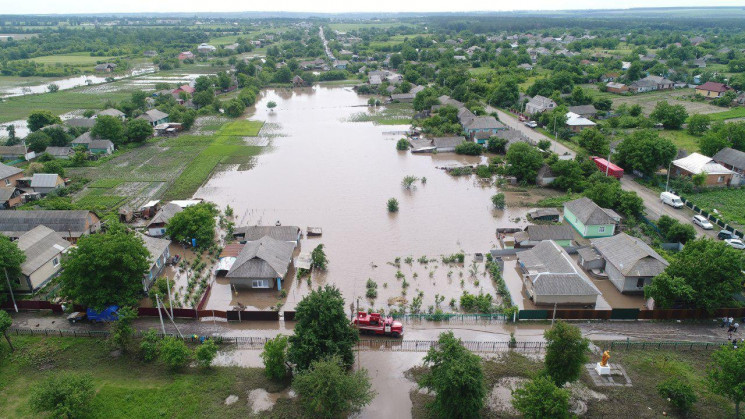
x: 738, y: 112
x: 682, y: 139
x: 127, y: 387
x: 728, y: 201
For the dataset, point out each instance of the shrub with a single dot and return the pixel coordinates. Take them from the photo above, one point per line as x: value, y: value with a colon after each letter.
x: 680, y: 394
x: 402, y: 144
x: 498, y: 200
x: 174, y: 353
x: 327, y: 390
x: 206, y: 352
x: 65, y: 395
x: 275, y: 358
x: 392, y: 205
x: 469, y: 149
x: 541, y: 398
x: 149, y: 345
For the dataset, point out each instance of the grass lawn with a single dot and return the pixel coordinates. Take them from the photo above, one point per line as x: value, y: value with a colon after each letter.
x: 127, y: 387
x: 78, y: 59
x: 241, y: 128
x: 479, y: 70
x: 58, y: 103
x: 681, y: 139
x: 738, y: 112
x: 729, y: 203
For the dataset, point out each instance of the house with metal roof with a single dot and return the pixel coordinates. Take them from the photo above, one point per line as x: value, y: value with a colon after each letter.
x: 262, y: 264
x: 585, y: 111
x: 248, y: 234
x: 116, y: 113
x: 10, y: 197
x: 534, y: 234
x: 43, y: 248
x: 695, y: 164
x: 544, y: 214
x: 629, y: 262
x: 43, y: 183
x: 60, y: 152
x: 14, y: 152
x: 157, y: 225
x: 539, y: 104
x: 551, y: 277
x: 9, y: 175
x: 483, y: 125
x: 159, y: 254
x: 101, y: 147
x: 577, y: 123
x: 154, y: 117
x: 589, y: 219
x: 71, y: 225
x: 733, y: 160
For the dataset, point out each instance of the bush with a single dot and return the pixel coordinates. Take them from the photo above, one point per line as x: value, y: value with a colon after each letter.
x: 392, y: 205
x: 275, y: 358
x: 327, y: 390
x: 149, y: 345
x: 541, y: 398
x: 496, y: 145
x: 469, y: 149
x: 498, y: 200
x: 206, y: 352
x: 566, y: 352
x: 65, y: 395
x: 402, y: 144
x: 174, y: 353
x: 678, y: 393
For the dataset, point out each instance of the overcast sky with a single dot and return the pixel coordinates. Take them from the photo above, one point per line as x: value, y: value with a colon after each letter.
x: 329, y: 6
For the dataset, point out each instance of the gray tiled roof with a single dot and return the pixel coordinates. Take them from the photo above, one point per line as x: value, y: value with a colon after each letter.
x: 550, y: 232
x: 445, y: 142
x: 155, y: 246
x: 588, y: 212
x: 12, y: 150
x: 553, y: 272
x: 583, y: 109
x: 84, y: 138
x: 483, y: 122
x: 8, y: 171
x: 165, y: 214
x: 80, y: 122
x: 264, y: 258
x: 6, y: 192
x: 253, y: 233
x: 68, y: 223
x: 40, y: 245
x: 153, y: 115
x: 111, y: 112
x: 728, y: 156
x: 58, y: 151
x: 44, y: 180
x: 631, y: 256
x: 100, y: 144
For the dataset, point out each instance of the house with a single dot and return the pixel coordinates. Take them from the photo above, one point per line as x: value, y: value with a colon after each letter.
x: 157, y: 225
x: 105, y: 67
x: 695, y: 163
x: 712, y: 89
x: 185, y: 88
x: 10, y: 197
x: 484, y: 125
x: 186, y: 55
x: 80, y: 122
x: 589, y: 259
x: 70, y: 224
x: 403, y: 97
x: 13, y: 152
x: 629, y: 262
x: 154, y: 117
x: 609, y: 77
x: 446, y: 144
x: 60, y: 152
x: 526, y: 67
x: 9, y: 175
x: 341, y: 64
x: 101, y: 147
x: 585, y: 111
x: 651, y: 83
x: 43, y: 248
x: 83, y: 140
x: 465, y: 115
x: 544, y: 214
x: 551, y: 277
x: 116, y: 113
x: 733, y: 160
x: 298, y: 81
x: 577, y: 123
x: 159, y: 254
x: 534, y: 234
x: 204, y: 48
x: 290, y: 234
x: 539, y: 104
x: 615, y: 87
x: 43, y: 183
x: 545, y: 176
x: 261, y: 264
x: 589, y: 219
x: 150, y: 53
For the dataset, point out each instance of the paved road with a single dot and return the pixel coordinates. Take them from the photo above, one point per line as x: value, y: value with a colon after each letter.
x: 534, y: 135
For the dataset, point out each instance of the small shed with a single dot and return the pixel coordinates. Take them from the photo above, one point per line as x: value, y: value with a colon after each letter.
x: 545, y: 214
x: 590, y: 259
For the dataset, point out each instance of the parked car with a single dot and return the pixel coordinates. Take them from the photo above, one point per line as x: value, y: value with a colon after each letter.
x: 702, y: 222
x: 724, y: 235
x: 671, y: 199
x: 531, y: 124
x: 736, y: 243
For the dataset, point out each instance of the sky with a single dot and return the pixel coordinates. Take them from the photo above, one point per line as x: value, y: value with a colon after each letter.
x: 329, y: 6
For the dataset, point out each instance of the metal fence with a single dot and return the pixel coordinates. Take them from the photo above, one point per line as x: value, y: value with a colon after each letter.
x: 668, y: 346
x: 452, y: 317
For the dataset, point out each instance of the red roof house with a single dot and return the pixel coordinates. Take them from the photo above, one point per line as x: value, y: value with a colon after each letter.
x: 712, y: 89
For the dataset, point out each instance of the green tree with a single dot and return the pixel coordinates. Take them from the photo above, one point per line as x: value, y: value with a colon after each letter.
x: 275, y: 358
x: 496, y: 145
x: 705, y: 274
x: 194, y: 222
x: 711, y: 143
x: 11, y: 259
x: 206, y: 353
x: 727, y: 374
x: 38, y: 141
x: 569, y: 175
x: 64, y: 395
x: 469, y: 149
x: 524, y: 161
x: 541, y: 398
x: 149, y: 345
x: 566, y: 352
x: 392, y: 205
x: 645, y: 151
x: 234, y: 108
x: 139, y: 130
x: 506, y: 94
x: 327, y: 390
x: 105, y: 269
x: 679, y: 393
x: 109, y: 128
x: 54, y: 166
x: 58, y: 137
x: 271, y: 105
x: 698, y: 124
x: 456, y: 377
x: 40, y: 118
x: 498, y: 200
x: 671, y: 116
x: 139, y: 99
x: 402, y: 144
x: 5, y: 322
x: 322, y: 329
x: 174, y: 353
x: 203, y: 98
x: 594, y: 142
x: 122, y: 331
x: 318, y: 258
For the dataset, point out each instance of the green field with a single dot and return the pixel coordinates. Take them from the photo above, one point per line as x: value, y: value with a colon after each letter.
x: 346, y: 27
x: 682, y: 139
x: 241, y: 128
x: 64, y: 101
x: 392, y: 114
x: 125, y: 386
x: 738, y: 112
x: 729, y: 203
x: 78, y: 59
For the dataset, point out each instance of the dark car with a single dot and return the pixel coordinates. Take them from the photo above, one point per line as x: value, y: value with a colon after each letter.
x: 724, y: 235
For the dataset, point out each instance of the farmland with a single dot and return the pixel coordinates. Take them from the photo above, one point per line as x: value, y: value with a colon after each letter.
x: 729, y: 114
x: 61, y: 102
x: 648, y: 100
x: 80, y: 59
x: 729, y: 203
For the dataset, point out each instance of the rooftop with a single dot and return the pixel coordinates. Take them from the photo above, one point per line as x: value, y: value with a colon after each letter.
x: 631, y: 256
x: 40, y: 245
x: 552, y: 272
x: 730, y: 156
x: 697, y: 163
x: 589, y: 213
x: 264, y: 258
x: 253, y: 233
x: 8, y: 171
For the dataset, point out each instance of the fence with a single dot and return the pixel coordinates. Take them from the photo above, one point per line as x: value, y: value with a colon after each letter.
x: 668, y: 346
x: 630, y: 314
x: 449, y: 317
x: 710, y: 217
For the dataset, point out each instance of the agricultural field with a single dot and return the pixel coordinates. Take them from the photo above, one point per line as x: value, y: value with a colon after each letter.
x: 682, y: 139
x: 78, y: 59
x: 649, y: 100
x: 59, y: 103
x: 127, y: 387
x: 729, y: 203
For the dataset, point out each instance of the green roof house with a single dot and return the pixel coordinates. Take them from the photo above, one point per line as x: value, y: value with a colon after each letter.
x: 589, y: 219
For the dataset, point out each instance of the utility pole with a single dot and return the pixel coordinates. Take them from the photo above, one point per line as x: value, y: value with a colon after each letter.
x: 554, y: 316
x: 667, y: 183
x: 358, y: 343
x: 162, y: 325
x: 10, y: 289
x: 170, y: 302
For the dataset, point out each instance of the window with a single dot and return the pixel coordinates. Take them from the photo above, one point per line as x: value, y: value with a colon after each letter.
x: 720, y: 179
x: 7, y: 182
x: 640, y: 283
x: 55, y: 261
x: 601, y: 229
x: 260, y: 283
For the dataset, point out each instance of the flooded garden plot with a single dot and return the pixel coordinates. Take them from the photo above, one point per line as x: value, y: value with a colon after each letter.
x: 327, y: 171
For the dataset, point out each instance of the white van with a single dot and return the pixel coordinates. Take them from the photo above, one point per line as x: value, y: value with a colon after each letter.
x: 671, y: 199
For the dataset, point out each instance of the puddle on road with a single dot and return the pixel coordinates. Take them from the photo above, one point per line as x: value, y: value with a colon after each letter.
x: 325, y: 171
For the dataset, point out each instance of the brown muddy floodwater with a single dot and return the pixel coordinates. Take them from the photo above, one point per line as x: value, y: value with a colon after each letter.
x: 324, y: 170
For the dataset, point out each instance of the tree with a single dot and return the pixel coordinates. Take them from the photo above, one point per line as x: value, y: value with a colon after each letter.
x: 38, y: 141
x: 174, y: 353
x: 392, y: 205
x: 327, y: 390
x: 402, y: 144
x: 711, y: 143
x: 506, y: 94
x: 594, y: 142
x: 705, y: 274
x: 234, y: 108
x: 496, y: 145
x: 569, y: 175
x: 54, y: 166
x: 679, y: 393
x: 65, y: 395
x: 275, y: 358
x: 5, y: 322
x: 194, y: 222
x: 318, y: 259
x: 727, y: 374
x: 671, y: 116
x: 271, y: 105
x: 149, y: 345
x: 206, y: 353
x: 541, y: 398
x: 58, y: 137
x: 524, y: 161
x: 11, y: 259
x: 456, y: 377
x: 138, y: 130
x: 322, y: 329
x: 139, y: 99
x: 469, y: 149
x: 122, y: 330
x: 40, y: 119
x: 109, y: 128
x: 203, y: 98
x: 698, y: 124
x: 645, y: 151
x: 498, y: 200
x: 566, y: 352
x: 105, y: 269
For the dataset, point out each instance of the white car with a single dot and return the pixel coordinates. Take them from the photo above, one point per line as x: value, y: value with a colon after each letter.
x: 531, y: 124
x: 702, y: 222
x: 736, y: 243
